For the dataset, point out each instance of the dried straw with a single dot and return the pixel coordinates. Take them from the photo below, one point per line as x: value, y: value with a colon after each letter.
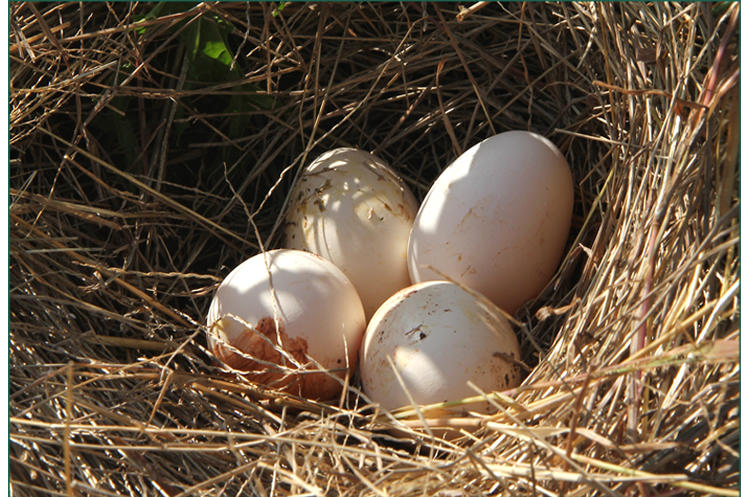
x: 134, y: 189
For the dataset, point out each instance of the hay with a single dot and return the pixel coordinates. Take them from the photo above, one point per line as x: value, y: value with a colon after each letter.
x: 137, y: 181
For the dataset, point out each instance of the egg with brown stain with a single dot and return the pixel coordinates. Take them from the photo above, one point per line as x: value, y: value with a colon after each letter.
x: 429, y: 340
x: 290, y: 320
x: 350, y: 207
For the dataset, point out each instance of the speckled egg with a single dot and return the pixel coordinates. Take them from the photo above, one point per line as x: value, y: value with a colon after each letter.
x: 430, y: 339
x: 350, y: 207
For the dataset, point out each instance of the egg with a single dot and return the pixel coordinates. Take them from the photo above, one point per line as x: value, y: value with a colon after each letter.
x: 435, y: 337
x: 496, y: 219
x: 351, y: 208
x: 278, y: 313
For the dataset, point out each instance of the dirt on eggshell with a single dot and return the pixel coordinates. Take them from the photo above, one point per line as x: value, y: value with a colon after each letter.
x: 260, y: 350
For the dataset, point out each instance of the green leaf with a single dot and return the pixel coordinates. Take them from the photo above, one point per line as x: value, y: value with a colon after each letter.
x: 206, y: 41
x: 278, y: 9
x: 213, y: 43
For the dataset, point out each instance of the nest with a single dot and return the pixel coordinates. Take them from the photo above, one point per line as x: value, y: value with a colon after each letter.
x: 152, y: 147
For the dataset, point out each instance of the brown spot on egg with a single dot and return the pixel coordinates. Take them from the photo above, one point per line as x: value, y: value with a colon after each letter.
x: 257, y: 350
x: 505, y: 357
x: 469, y: 270
x: 408, y: 293
x: 405, y: 212
x: 413, y: 330
x: 325, y: 186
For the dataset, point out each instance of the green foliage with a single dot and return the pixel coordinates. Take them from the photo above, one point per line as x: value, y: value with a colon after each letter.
x: 210, y: 62
x: 204, y: 45
x: 210, y: 59
x: 278, y: 9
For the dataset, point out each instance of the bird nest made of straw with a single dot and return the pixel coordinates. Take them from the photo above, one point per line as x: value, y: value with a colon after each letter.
x: 152, y: 148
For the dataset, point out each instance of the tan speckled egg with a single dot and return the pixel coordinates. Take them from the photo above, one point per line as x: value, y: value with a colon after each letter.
x: 437, y: 336
x: 496, y: 219
x: 319, y: 316
x: 351, y: 208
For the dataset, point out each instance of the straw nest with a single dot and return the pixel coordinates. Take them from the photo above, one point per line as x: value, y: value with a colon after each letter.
x: 152, y: 150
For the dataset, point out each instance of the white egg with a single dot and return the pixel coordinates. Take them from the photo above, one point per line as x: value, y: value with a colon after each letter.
x: 351, y: 208
x: 435, y: 337
x: 319, y: 316
x: 496, y: 219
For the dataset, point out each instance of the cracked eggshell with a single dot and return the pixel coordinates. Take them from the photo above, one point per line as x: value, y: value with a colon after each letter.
x: 351, y: 208
x: 318, y: 312
x: 437, y: 336
x: 496, y: 219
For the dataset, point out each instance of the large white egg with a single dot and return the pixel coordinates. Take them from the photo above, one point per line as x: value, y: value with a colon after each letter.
x: 319, y: 317
x: 436, y: 337
x: 351, y: 208
x: 496, y: 219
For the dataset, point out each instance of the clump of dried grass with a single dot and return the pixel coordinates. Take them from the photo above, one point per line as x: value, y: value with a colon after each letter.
x: 118, y: 240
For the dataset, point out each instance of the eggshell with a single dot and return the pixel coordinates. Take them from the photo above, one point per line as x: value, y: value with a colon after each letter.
x: 351, y: 208
x: 496, y: 219
x: 318, y: 312
x: 437, y: 336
